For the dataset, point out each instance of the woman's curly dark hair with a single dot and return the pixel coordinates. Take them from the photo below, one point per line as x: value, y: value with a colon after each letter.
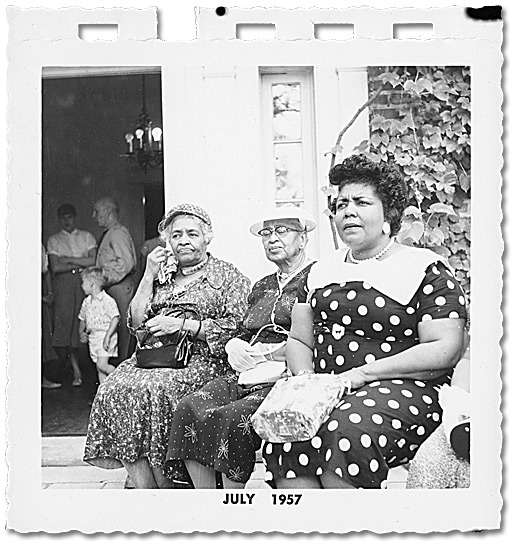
x: 384, y: 178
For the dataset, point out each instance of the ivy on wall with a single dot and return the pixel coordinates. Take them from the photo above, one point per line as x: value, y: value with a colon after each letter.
x: 421, y: 120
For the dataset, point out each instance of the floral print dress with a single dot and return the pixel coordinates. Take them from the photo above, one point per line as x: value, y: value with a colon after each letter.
x: 132, y: 410
x: 212, y: 426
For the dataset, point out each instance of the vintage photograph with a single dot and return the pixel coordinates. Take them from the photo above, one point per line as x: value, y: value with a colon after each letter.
x: 157, y: 352
x: 270, y: 272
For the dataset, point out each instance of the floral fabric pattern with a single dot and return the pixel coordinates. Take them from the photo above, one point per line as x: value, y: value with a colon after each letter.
x: 212, y: 426
x: 132, y: 411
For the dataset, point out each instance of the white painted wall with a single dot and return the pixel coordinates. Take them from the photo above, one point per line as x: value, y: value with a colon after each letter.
x: 213, y: 155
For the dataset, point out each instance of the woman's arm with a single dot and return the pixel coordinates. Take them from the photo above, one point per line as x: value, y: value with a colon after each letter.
x: 300, y: 344
x: 145, y: 289
x: 439, y: 348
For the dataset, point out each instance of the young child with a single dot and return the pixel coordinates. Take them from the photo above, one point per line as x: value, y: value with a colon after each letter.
x: 98, y: 320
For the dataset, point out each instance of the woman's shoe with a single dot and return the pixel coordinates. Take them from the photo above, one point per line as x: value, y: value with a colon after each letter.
x: 77, y: 382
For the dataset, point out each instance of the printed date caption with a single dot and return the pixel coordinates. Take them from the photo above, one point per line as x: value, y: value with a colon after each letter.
x: 247, y: 498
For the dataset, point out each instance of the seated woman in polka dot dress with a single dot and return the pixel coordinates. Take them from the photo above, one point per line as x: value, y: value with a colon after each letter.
x: 387, y: 318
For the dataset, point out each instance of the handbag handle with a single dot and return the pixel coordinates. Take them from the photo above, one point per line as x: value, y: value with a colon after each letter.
x: 275, y: 327
x: 184, y: 312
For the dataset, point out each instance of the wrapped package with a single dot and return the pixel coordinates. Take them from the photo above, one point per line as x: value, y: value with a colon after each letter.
x: 296, y: 407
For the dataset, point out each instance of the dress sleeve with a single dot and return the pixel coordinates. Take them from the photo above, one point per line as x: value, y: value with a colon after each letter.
x: 234, y: 304
x: 440, y: 296
x: 302, y: 293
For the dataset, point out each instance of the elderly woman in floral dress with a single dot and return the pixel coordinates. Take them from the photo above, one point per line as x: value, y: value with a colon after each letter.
x: 211, y: 429
x: 131, y: 414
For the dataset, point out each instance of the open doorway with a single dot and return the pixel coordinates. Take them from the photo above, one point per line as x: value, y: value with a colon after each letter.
x: 87, y: 114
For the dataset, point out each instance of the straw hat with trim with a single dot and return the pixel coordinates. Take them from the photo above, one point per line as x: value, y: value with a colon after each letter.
x: 283, y: 213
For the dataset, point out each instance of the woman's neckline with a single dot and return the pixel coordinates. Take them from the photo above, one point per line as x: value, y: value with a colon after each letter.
x: 284, y: 278
x: 394, y: 250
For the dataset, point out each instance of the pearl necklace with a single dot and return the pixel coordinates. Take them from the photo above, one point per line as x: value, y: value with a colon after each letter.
x: 190, y: 270
x: 382, y: 252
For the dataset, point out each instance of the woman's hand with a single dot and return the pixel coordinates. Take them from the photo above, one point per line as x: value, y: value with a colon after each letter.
x: 161, y: 325
x: 154, y: 260
x: 353, y: 378
x: 239, y: 355
x: 83, y: 337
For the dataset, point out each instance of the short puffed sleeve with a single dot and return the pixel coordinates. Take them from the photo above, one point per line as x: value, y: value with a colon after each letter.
x: 440, y: 295
x: 302, y: 293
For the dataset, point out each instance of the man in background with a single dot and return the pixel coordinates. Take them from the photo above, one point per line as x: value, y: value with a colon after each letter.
x: 117, y: 257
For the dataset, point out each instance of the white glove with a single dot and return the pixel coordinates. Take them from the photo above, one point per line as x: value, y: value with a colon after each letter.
x: 239, y: 355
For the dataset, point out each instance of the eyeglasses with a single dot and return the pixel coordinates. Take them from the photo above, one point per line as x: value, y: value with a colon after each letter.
x: 280, y: 230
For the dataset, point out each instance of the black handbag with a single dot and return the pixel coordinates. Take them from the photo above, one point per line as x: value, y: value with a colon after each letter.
x: 172, y: 351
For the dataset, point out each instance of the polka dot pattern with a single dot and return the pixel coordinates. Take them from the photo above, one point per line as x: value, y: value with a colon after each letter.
x: 316, y: 442
x: 344, y: 444
x: 382, y: 424
x: 380, y: 301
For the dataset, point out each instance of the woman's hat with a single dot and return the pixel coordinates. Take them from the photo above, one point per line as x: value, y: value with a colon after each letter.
x: 283, y: 213
x: 182, y: 210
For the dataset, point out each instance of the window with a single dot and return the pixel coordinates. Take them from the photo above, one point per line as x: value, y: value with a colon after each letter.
x: 288, y: 137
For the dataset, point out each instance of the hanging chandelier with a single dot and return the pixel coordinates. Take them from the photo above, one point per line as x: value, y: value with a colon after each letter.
x: 145, y: 144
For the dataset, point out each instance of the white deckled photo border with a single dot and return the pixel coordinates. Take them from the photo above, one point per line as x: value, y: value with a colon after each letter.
x: 48, y: 38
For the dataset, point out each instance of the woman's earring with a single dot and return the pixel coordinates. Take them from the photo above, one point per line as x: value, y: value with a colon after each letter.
x: 386, y: 228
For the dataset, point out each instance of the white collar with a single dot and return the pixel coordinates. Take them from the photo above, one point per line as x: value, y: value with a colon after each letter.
x: 397, y: 276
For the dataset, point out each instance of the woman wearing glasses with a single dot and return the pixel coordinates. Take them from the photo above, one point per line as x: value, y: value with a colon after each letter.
x: 211, y: 428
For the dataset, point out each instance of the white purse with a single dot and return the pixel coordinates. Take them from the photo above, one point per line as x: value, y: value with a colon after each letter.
x: 267, y: 370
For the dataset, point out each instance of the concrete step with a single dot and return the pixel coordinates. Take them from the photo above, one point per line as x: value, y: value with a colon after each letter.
x: 63, y: 467
x: 63, y: 451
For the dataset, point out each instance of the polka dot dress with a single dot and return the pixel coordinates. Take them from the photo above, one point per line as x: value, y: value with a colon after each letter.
x: 382, y: 424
